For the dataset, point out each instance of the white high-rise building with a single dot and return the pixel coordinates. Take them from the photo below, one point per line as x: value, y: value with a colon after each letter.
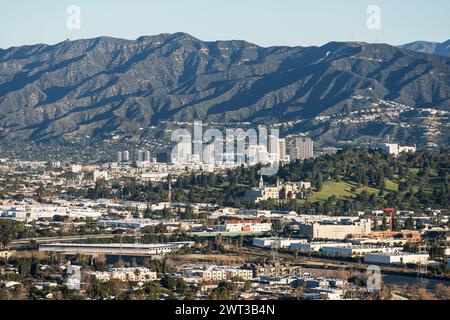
x: 276, y: 148
x: 143, y: 156
x: 140, y: 156
x: 119, y: 156
x: 125, y: 156
x: 209, y: 154
x: 304, y: 149
x: 273, y: 145
x: 257, y: 154
x: 282, y: 149
x: 182, y: 152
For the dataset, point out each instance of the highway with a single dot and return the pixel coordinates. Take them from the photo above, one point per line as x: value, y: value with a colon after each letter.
x: 329, y: 263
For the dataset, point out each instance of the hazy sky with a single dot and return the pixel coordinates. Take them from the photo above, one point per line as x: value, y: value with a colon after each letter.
x: 264, y: 22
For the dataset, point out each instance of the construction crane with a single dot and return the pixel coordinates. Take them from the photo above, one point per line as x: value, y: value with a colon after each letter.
x: 391, y: 217
x: 404, y: 234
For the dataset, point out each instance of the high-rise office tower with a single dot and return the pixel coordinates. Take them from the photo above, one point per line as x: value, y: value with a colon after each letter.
x: 143, y: 156
x: 282, y: 149
x: 304, y: 148
x: 140, y: 156
x: 119, y: 156
x: 125, y: 156
x: 209, y: 154
x: 182, y: 152
x: 273, y: 145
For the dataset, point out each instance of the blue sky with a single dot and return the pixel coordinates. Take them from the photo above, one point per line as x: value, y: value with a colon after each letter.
x: 264, y: 22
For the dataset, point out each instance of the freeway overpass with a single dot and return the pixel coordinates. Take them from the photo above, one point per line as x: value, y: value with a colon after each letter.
x: 115, y: 249
x: 23, y: 242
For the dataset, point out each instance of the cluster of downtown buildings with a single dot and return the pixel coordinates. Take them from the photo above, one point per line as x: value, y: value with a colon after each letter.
x: 184, y: 153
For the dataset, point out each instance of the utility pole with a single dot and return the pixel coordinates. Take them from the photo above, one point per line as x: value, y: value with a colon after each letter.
x: 422, y: 268
x: 169, y: 196
x: 275, y: 257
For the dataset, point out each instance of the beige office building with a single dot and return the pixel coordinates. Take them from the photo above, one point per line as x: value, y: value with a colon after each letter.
x: 304, y: 149
x: 335, y: 231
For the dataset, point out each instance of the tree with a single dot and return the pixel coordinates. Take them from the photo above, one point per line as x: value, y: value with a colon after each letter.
x: 396, y: 224
x: 168, y: 282
x: 420, y: 225
x: 148, y: 213
x: 181, y: 285
x: 409, y: 223
x: 136, y: 214
x: 5, y: 232
x: 104, y: 290
x: 384, y: 225
x: 318, y: 182
x: 24, y: 266
x: 152, y: 291
x: 188, y: 213
x: 241, y: 241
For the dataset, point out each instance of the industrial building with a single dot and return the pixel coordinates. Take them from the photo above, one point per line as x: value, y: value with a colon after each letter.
x: 396, y: 258
x: 251, y: 226
x: 314, y: 246
x: 276, y: 242
x: 354, y: 251
x: 128, y: 223
x: 45, y: 211
x: 335, y: 231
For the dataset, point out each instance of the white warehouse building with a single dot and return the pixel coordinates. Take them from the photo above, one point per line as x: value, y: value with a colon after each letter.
x: 396, y: 258
x: 276, y: 242
x: 314, y: 246
x: 351, y: 251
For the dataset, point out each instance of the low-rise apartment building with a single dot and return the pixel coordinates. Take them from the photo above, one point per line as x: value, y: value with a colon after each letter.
x: 125, y: 274
x: 225, y: 273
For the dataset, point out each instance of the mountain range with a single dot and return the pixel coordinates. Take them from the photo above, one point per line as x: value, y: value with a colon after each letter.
x: 89, y: 87
x: 436, y: 48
